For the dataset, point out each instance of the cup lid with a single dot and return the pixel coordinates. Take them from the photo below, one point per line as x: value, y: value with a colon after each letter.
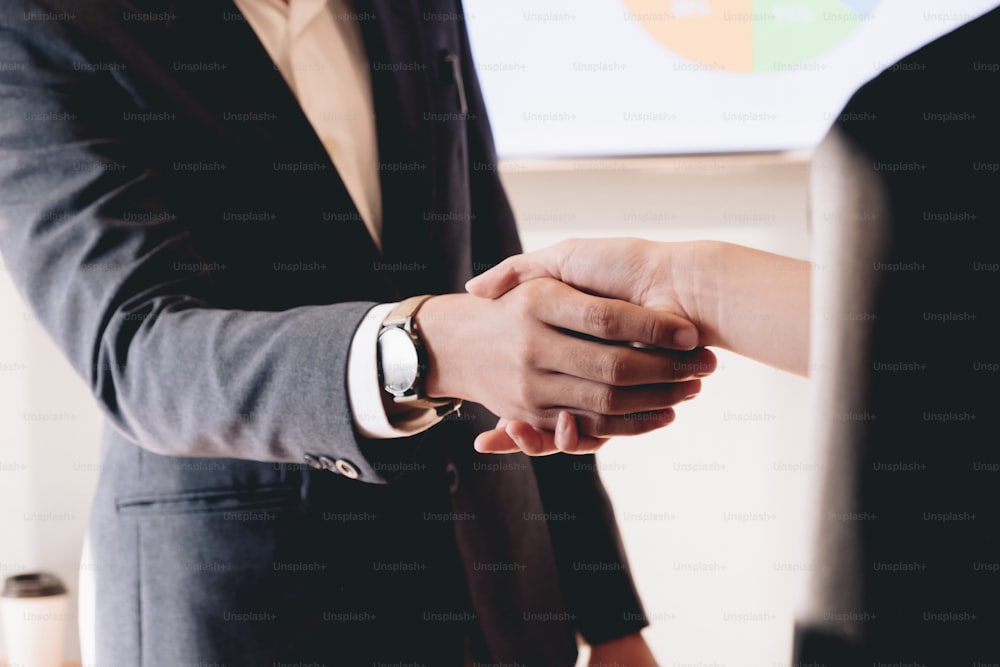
x: 32, y: 585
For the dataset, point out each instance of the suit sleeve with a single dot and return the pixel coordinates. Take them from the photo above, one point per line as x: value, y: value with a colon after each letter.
x: 130, y: 299
x: 590, y: 558
x: 593, y: 567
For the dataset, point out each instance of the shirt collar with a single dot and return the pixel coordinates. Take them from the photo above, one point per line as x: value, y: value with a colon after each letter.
x: 301, y: 14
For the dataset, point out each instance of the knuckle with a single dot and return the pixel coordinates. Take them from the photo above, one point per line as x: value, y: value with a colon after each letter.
x: 547, y: 416
x: 543, y: 287
x: 601, y: 319
x: 524, y: 395
x: 523, y: 298
x: 602, y: 426
x: 603, y: 400
x: 530, y: 446
x: 653, y: 328
x: 566, y: 246
x: 528, y: 351
x: 613, y: 368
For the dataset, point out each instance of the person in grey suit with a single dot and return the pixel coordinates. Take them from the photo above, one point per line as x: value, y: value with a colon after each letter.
x: 285, y: 478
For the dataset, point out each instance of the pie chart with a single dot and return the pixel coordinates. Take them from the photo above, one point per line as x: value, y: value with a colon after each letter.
x: 749, y: 35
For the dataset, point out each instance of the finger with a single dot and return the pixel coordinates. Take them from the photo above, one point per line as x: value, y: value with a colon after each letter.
x: 593, y: 430
x: 566, y: 435
x: 513, y: 271
x: 593, y: 425
x: 620, y: 365
x: 518, y: 436
x: 515, y: 436
x: 564, y: 307
x: 606, y: 400
x: 531, y: 441
x: 568, y: 439
x: 548, y: 392
x: 538, y: 442
x: 604, y: 426
x: 495, y: 441
x: 698, y: 363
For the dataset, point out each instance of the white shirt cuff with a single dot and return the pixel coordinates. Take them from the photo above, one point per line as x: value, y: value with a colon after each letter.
x: 364, y: 391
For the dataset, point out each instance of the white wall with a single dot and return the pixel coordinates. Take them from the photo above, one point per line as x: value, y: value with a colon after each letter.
x: 49, y: 430
x: 740, y: 448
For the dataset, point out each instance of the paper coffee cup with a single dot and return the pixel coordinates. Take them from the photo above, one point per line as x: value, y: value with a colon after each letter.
x: 33, y: 610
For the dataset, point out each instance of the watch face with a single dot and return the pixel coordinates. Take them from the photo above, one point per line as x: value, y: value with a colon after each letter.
x: 398, y: 360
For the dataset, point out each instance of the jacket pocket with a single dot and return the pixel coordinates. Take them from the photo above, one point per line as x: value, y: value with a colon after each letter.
x: 261, y: 498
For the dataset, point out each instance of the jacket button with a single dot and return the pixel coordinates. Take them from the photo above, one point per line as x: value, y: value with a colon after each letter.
x: 347, y: 469
x: 312, y: 461
x: 327, y: 463
x: 451, y: 470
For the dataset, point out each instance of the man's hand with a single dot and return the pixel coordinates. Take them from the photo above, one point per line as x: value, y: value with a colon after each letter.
x: 628, y: 651
x: 544, y: 347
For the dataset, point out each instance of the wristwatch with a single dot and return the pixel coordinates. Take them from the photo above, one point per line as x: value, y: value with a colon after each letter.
x: 402, y: 361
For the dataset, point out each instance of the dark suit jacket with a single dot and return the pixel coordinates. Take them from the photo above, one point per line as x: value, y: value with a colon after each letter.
x: 923, y: 466
x: 175, y: 223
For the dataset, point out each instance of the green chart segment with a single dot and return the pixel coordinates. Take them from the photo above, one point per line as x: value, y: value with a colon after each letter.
x: 800, y: 32
x: 750, y: 35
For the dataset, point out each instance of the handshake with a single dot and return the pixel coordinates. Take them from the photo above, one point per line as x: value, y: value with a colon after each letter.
x: 590, y: 339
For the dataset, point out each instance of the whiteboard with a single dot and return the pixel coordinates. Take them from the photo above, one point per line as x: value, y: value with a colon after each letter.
x: 567, y: 78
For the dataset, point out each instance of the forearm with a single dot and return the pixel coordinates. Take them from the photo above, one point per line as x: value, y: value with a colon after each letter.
x: 748, y: 301
x: 208, y: 382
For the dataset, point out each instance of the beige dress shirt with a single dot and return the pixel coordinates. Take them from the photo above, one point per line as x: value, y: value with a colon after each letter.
x: 317, y: 46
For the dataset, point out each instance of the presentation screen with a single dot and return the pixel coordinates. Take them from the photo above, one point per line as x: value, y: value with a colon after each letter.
x: 652, y: 77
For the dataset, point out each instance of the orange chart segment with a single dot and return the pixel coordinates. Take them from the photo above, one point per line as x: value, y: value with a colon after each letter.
x: 718, y: 34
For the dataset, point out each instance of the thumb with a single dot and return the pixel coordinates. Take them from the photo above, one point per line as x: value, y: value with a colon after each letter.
x: 496, y: 441
x: 508, y: 274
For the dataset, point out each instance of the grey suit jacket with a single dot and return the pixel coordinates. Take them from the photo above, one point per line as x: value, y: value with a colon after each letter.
x: 169, y: 214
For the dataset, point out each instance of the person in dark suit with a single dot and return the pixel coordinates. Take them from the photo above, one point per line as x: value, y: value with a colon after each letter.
x: 205, y: 226
x: 915, y: 495
x: 906, y: 203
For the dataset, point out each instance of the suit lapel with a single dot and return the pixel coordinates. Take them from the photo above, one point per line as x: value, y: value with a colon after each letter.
x: 414, y: 258
x: 406, y: 142
x: 249, y: 96
x: 391, y: 30
x: 248, y: 81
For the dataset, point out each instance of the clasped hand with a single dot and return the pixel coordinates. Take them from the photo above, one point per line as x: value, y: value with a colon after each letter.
x: 566, y: 369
